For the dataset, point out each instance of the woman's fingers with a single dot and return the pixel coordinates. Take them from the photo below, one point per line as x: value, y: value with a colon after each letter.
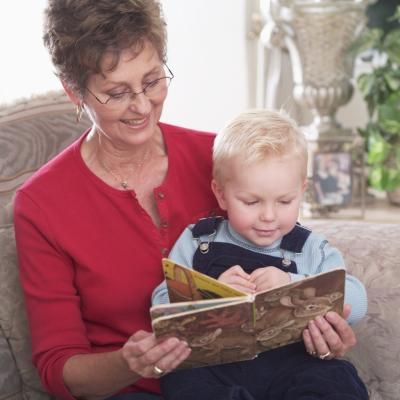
x: 318, y: 336
x: 173, y: 357
x: 329, y: 336
x: 343, y: 330
x: 346, y: 311
x: 150, y: 358
x: 308, y: 343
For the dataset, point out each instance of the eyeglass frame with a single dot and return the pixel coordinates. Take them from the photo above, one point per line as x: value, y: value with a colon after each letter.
x: 131, y: 92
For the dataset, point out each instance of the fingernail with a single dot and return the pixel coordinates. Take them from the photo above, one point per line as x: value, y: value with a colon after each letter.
x: 329, y: 314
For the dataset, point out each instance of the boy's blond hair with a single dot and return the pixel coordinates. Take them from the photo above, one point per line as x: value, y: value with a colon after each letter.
x: 255, y: 135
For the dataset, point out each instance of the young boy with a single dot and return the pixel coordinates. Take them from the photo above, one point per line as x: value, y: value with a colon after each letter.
x: 259, y: 177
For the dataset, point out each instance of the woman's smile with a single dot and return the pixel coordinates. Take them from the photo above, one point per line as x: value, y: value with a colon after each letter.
x: 136, y: 123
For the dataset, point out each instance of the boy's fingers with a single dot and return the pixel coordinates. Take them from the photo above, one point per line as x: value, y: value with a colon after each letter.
x: 239, y: 281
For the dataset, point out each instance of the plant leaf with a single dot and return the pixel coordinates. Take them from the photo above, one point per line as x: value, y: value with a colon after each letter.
x: 366, y: 83
x: 384, y: 179
x: 391, y: 45
x: 378, y: 148
x: 389, y: 114
x: 392, y: 78
x: 397, y: 156
x: 393, y: 179
x: 377, y: 178
x: 396, y: 15
x: 369, y: 39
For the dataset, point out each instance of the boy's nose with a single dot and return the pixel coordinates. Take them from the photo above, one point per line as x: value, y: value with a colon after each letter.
x: 268, y: 213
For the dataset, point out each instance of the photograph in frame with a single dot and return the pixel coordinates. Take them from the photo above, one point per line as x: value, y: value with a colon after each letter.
x: 332, y: 178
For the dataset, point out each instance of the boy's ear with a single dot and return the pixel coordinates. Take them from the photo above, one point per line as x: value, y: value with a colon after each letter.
x: 219, y: 194
x: 71, y: 94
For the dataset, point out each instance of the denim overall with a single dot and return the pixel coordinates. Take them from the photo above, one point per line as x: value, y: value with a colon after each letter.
x: 213, y: 258
x: 285, y: 373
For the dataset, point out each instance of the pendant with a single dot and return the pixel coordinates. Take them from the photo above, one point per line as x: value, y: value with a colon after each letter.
x: 124, y: 185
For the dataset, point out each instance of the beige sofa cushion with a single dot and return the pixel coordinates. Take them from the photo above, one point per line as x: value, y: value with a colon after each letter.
x: 10, y: 383
x: 13, y: 326
x: 372, y: 254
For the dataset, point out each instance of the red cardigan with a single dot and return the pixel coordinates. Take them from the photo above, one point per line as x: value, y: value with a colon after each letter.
x: 89, y: 255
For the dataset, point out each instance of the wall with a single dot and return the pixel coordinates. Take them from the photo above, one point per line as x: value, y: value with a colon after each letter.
x: 25, y: 66
x: 209, y: 52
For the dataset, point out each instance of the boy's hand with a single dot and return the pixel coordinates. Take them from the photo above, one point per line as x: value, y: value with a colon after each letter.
x: 235, y: 276
x: 269, y: 277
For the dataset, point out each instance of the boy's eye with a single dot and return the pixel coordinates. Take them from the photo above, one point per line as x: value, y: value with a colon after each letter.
x: 250, y: 203
x: 286, y: 201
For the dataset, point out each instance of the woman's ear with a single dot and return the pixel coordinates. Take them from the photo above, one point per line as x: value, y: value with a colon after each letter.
x: 75, y: 99
x: 219, y: 194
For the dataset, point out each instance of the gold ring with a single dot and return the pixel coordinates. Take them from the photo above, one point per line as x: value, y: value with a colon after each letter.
x: 158, y: 371
x: 323, y: 356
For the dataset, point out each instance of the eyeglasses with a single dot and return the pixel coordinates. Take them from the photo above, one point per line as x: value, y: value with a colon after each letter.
x: 150, y: 89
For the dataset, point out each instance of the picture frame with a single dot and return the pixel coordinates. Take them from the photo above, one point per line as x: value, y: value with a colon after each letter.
x: 332, y: 179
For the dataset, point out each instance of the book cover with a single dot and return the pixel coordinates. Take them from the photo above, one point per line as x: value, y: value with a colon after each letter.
x: 222, y: 324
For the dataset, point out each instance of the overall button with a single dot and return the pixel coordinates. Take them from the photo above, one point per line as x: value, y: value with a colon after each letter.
x: 164, y: 224
x: 161, y: 195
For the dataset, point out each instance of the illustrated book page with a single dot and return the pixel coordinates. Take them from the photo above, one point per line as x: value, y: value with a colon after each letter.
x: 223, y: 325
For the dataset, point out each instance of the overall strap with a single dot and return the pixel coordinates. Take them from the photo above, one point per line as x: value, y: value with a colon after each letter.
x: 206, y: 226
x: 205, y: 230
x: 295, y: 239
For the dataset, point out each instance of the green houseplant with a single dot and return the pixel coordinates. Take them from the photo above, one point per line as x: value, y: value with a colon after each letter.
x: 380, y: 88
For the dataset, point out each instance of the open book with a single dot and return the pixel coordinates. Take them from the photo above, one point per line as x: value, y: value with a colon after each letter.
x: 223, y: 325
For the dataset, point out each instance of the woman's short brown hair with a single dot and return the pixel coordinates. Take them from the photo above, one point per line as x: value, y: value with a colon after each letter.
x: 78, y: 33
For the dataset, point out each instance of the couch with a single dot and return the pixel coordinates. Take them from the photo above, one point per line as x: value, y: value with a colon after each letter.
x: 31, y: 132
x: 34, y: 130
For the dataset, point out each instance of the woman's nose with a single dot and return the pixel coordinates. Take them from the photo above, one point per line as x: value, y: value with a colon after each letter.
x: 140, y: 103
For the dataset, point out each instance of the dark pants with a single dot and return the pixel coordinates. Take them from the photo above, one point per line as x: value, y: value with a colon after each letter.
x: 287, y: 373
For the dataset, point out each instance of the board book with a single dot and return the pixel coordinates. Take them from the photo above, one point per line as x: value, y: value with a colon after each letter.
x: 222, y: 324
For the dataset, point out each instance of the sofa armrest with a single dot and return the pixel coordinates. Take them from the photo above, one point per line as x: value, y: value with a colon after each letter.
x: 10, y: 380
x: 16, y: 368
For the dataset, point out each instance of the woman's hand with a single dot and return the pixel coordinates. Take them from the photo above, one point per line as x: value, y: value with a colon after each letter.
x: 269, y: 277
x: 330, y: 336
x: 150, y: 358
x: 235, y: 276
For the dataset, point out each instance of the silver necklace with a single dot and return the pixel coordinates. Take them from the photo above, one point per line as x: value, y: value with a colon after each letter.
x: 120, y: 180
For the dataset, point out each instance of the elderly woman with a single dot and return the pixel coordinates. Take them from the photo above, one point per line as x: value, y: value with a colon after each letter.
x: 93, y: 224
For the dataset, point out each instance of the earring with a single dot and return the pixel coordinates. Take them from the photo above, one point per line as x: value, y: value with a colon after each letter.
x: 79, y: 112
